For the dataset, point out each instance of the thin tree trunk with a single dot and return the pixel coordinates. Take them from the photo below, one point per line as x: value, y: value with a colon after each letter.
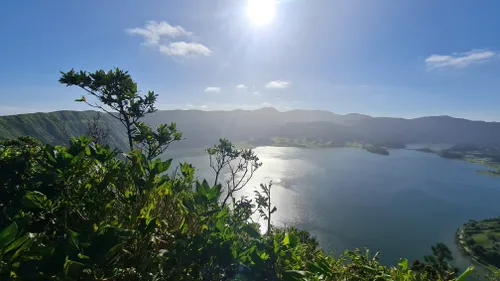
x: 129, y: 134
x: 269, y: 211
x: 216, y: 177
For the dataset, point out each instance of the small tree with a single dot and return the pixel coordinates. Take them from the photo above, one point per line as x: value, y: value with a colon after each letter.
x: 155, y: 143
x: 263, y: 201
x: 118, y: 96
x: 98, y: 131
x: 440, y: 260
x: 241, y: 165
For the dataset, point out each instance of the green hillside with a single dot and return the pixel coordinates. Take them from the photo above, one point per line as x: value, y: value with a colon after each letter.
x: 57, y: 127
x: 303, y: 128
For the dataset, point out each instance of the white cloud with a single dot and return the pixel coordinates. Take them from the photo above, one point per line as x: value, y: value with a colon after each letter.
x: 256, y: 93
x: 459, y: 60
x: 212, y: 89
x: 265, y: 104
x: 184, y: 49
x: 277, y: 84
x: 154, y: 32
x: 241, y: 86
x: 204, y: 106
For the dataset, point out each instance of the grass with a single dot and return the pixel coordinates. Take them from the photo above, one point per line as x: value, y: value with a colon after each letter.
x: 482, y: 239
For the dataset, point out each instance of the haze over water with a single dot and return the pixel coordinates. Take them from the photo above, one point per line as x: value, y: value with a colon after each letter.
x: 400, y: 204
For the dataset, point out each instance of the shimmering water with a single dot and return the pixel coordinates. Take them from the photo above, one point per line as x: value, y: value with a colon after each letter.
x: 399, y: 204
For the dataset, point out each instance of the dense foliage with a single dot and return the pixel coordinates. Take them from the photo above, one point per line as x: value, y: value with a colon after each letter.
x: 88, y: 212
x: 80, y: 213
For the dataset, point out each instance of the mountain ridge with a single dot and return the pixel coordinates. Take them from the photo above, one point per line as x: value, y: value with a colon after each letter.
x: 363, y: 115
x: 203, y: 128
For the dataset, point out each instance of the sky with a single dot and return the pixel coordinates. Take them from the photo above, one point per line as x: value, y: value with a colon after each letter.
x: 383, y: 58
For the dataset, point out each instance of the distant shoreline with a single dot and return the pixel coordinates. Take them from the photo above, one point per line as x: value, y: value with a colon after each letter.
x: 459, y: 239
x: 382, y: 149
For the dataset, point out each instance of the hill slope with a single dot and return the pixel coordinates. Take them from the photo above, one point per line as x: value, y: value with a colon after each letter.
x: 57, y: 127
x: 203, y: 128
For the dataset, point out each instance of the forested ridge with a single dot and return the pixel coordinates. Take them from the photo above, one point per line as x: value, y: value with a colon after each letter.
x: 57, y: 127
x: 262, y: 126
x: 85, y: 211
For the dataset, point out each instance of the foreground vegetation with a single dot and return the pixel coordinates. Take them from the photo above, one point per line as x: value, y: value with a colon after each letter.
x: 87, y: 212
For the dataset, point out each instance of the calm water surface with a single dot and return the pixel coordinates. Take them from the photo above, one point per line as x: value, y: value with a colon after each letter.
x: 399, y: 204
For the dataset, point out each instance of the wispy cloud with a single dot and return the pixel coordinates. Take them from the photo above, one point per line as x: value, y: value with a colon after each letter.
x: 153, y: 31
x: 256, y: 93
x: 459, y: 60
x: 277, y: 84
x: 159, y: 35
x: 184, y: 49
x: 241, y: 86
x: 212, y: 89
x: 266, y: 104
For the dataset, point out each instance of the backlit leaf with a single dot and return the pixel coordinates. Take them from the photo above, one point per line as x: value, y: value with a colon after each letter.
x: 8, y: 235
x: 34, y: 199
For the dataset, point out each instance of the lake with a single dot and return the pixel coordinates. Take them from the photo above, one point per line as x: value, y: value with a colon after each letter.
x: 399, y: 204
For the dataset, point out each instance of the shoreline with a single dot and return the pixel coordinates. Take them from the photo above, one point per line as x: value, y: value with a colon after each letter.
x: 462, y: 247
x: 492, y: 167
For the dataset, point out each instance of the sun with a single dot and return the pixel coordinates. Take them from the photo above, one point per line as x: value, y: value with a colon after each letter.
x: 261, y: 11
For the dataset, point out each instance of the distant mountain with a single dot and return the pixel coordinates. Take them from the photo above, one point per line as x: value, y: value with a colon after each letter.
x: 434, y: 129
x: 203, y: 128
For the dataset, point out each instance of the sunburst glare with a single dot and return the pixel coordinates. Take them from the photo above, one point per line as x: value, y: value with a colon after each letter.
x: 261, y: 11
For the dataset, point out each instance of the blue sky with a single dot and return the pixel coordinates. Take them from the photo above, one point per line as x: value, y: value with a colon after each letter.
x: 384, y: 58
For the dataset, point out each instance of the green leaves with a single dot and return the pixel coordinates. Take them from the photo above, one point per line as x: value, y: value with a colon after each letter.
x: 295, y: 275
x: 35, y: 200
x: 251, y: 231
x: 18, y: 243
x: 95, y: 215
x: 158, y: 167
x: 403, y: 264
x: 82, y: 99
x: 8, y: 235
x: 210, y: 193
x: 73, y: 268
x: 291, y: 240
x: 220, y: 225
x: 154, y: 143
x: 466, y: 273
x: 74, y: 238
